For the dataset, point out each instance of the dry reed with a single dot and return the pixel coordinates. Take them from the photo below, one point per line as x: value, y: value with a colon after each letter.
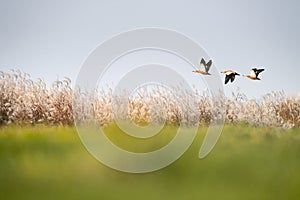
x: 23, y: 101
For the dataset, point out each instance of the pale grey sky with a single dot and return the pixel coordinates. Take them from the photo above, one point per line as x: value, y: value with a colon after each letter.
x: 51, y: 39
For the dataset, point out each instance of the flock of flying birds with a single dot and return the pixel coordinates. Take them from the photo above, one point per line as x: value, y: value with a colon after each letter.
x: 229, y: 74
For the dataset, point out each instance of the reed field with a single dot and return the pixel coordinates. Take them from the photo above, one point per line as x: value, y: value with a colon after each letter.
x: 41, y: 155
x: 24, y: 101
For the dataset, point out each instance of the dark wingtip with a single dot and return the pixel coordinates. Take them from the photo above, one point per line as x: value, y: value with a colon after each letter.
x: 202, y: 61
x: 226, y: 79
x: 209, y: 63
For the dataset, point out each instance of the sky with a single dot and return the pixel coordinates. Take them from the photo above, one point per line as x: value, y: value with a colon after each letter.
x: 52, y: 39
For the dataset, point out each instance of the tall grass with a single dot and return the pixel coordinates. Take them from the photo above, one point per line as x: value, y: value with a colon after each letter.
x: 24, y: 101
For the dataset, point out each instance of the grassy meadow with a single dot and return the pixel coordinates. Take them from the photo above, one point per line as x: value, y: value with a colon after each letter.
x: 248, y: 162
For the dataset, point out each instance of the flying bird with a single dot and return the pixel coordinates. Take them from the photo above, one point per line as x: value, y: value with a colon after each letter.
x: 254, y: 73
x: 229, y: 75
x: 204, y: 67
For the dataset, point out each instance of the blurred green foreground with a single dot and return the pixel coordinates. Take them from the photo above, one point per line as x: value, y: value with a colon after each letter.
x: 247, y: 163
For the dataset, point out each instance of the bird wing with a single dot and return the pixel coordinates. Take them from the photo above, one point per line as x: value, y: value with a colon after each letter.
x: 202, y: 65
x: 227, y: 78
x: 232, y: 77
x: 253, y: 73
x: 259, y: 71
x: 208, y: 65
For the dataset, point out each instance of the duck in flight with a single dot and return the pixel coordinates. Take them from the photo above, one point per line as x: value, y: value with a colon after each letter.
x: 229, y: 75
x: 254, y: 73
x: 204, y: 67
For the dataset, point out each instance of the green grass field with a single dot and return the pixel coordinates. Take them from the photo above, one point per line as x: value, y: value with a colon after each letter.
x: 247, y: 163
